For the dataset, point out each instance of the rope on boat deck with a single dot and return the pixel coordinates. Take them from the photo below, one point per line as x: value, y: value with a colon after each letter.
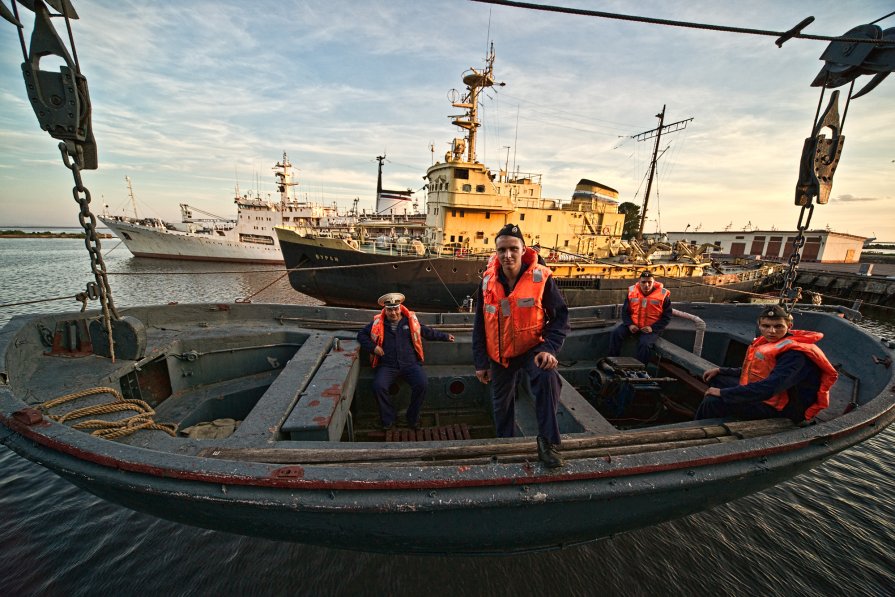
x: 109, y: 429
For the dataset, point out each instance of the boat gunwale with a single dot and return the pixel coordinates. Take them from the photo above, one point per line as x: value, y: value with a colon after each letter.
x: 54, y: 436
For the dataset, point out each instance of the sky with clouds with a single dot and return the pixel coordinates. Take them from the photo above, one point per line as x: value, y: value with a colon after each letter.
x: 192, y: 98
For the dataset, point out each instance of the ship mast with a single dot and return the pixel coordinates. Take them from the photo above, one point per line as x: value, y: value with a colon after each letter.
x: 475, y: 81
x: 283, y: 174
x: 380, y: 159
x: 657, y: 133
x: 130, y: 193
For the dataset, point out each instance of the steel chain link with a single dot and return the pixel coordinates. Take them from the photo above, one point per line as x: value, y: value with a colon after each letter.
x: 101, y: 288
x: 788, y: 294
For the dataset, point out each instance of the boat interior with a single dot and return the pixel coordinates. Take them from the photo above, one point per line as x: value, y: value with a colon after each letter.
x: 232, y: 377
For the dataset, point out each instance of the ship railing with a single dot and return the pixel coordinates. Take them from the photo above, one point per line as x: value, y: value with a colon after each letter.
x: 405, y: 248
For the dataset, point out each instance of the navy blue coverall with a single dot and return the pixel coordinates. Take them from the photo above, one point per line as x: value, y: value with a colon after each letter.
x: 645, y: 342
x: 793, y: 372
x: 545, y: 383
x: 399, y: 360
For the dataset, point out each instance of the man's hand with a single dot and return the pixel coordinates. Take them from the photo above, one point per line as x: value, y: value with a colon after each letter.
x: 483, y: 375
x: 545, y: 360
x: 450, y: 337
x: 709, y: 374
x: 378, y: 351
x: 633, y: 328
x: 713, y: 392
x: 647, y: 329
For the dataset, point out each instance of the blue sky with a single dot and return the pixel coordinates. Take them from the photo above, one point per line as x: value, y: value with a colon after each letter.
x: 190, y: 98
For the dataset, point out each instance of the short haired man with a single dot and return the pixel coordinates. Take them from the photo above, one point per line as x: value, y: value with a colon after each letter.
x: 521, y: 321
x: 784, y: 374
x: 394, y: 340
x: 645, y: 313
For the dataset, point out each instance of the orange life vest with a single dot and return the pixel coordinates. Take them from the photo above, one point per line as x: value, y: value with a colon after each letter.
x: 377, y: 333
x: 646, y: 309
x: 514, y: 323
x: 762, y: 356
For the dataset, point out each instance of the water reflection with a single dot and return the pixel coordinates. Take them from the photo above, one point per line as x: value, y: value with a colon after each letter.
x: 36, y: 269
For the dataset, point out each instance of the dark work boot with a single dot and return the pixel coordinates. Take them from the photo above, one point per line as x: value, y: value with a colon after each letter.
x: 548, y: 454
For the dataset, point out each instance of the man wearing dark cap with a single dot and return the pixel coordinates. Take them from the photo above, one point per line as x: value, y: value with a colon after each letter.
x: 784, y: 374
x: 394, y: 340
x: 521, y: 321
x: 645, y: 313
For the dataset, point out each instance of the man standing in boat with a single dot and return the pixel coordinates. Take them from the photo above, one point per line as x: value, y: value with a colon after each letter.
x: 784, y: 374
x: 521, y: 322
x: 646, y: 312
x: 394, y: 340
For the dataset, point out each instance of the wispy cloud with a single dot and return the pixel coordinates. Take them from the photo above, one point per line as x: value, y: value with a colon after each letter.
x: 853, y: 199
x: 190, y: 97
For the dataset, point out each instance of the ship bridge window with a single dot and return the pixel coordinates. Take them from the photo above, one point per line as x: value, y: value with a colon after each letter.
x: 467, y: 188
x: 487, y: 215
x: 549, y: 218
x: 521, y: 216
x: 479, y: 188
x: 479, y: 235
x: 462, y: 213
x: 453, y: 213
x: 461, y: 173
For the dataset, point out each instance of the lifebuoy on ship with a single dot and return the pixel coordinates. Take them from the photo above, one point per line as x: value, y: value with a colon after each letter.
x: 606, y: 230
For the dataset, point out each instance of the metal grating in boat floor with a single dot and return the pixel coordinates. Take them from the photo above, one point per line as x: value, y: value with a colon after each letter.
x: 429, y: 434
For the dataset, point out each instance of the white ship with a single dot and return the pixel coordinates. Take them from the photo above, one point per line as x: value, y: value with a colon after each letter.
x: 248, y: 239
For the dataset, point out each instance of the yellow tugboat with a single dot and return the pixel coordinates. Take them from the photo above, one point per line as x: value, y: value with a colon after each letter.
x: 440, y: 263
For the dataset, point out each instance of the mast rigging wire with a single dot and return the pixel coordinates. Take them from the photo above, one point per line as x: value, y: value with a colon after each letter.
x: 686, y: 24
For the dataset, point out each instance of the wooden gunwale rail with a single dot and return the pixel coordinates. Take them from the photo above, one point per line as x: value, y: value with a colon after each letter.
x: 507, y: 451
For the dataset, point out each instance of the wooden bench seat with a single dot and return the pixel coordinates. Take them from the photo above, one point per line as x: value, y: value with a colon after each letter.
x: 574, y: 413
x: 323, y: 408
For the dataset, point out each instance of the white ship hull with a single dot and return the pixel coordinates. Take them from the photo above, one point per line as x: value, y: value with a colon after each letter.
x: 160, y: 243
x: 249, y: 238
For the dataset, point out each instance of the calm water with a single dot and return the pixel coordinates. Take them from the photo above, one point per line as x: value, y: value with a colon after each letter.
x: 828, y: 532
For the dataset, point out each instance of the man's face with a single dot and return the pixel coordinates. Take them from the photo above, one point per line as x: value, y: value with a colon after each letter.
x: 773, y: 329
x: 393, y: 313
x: 646, y: 285
x: 509, y: 253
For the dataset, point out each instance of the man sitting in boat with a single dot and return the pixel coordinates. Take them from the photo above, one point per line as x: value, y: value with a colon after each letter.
x: 394, y: 340
x: 521, y: 322
x: 645, y: 313
x: 351, y: 242
x: 784, y: 374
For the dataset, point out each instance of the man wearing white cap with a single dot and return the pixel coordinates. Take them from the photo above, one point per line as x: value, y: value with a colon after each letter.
x: 394, y: 340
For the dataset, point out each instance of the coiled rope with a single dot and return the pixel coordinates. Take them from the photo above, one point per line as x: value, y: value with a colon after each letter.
x: 108, y: 429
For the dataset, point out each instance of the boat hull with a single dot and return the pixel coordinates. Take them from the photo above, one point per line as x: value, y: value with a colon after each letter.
x: 472, y: 497
x: 160, y: 243
x: 504, y: 516
x: 330, y: 271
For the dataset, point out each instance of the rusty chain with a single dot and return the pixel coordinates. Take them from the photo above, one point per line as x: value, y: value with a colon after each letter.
x: 101, y: 289
x: 788, y: 294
